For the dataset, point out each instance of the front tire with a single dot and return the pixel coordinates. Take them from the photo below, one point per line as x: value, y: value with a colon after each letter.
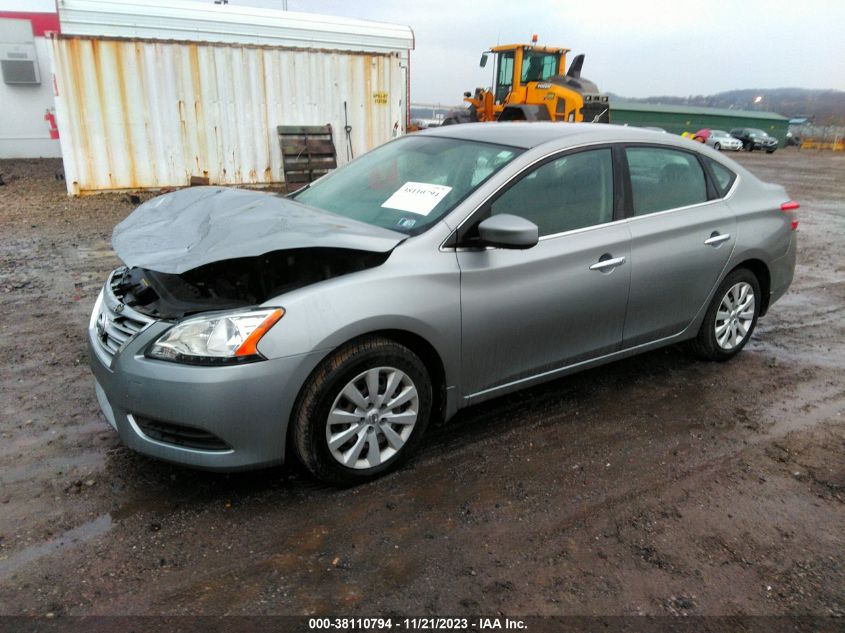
x: 363, y: 412
x: 717, y: 147
x: 730, y: 319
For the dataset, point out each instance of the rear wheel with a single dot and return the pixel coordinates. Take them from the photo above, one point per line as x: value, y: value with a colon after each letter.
x: 363, y: 413
x: 730, y: 318
x: 717, y: 147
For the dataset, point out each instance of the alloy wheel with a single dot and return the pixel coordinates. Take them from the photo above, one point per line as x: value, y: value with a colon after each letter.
x: 735, y: 316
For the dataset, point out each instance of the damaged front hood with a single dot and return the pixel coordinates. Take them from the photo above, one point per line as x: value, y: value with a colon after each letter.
x: 193, y: 227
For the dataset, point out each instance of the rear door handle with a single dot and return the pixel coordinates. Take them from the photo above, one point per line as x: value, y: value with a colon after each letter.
x: 606, y: 264
x: 716, y: 239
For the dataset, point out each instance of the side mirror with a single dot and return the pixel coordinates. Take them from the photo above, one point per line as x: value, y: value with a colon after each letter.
x: 508, y: 231
x: 483, y: 61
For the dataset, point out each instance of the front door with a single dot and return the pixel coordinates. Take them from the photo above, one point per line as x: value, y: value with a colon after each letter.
x: 527, y: 312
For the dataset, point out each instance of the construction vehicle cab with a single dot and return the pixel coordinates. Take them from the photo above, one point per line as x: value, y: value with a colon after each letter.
x: 530, y: 83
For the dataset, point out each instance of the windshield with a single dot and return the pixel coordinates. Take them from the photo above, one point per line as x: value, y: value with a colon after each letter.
x: 409, y: 184
x: 757, y: 132
x: 718, y: 133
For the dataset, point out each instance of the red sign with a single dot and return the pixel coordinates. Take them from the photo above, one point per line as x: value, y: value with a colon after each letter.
x: 41, y: 22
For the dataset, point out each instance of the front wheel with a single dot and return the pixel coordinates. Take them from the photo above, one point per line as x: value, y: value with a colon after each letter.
x: 730, y: 318
x: 363, y: 412
x: 717, y: 146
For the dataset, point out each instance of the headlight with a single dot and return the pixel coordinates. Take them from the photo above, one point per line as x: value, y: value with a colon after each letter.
x: 217, y: 339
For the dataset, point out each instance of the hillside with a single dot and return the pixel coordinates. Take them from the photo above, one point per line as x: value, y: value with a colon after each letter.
x: 823, y: 107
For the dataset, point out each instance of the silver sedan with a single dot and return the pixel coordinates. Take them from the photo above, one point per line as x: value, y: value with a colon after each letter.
x: 721, y: 140
x: 438, y: 271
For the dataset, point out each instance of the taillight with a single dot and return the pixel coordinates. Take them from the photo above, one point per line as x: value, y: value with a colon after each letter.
x: 791, y: 206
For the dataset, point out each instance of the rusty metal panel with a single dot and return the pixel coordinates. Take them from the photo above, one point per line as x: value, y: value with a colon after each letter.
x: 152, y: 114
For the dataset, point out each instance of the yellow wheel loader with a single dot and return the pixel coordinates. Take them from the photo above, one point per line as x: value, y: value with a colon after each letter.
x: 530, y: 84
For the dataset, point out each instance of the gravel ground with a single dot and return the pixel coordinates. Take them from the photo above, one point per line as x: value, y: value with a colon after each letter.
x: 656, y: 485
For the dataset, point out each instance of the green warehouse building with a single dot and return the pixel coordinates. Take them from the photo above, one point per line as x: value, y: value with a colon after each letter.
x: 678, y: 119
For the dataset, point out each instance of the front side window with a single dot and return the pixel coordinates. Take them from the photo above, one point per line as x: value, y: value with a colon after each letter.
x: 663, y: 179
x: 539, y: 66
x: 571, y: 192
x: 409, y: 184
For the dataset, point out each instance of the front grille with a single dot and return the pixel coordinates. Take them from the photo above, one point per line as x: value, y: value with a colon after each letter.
x: 178, y: 435
x: 116, y: 324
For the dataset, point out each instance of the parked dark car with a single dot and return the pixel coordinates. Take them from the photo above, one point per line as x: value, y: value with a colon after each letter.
x: 752, y: 139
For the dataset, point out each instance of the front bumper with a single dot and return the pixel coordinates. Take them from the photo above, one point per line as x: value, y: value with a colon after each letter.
x: 767, y: 147
x: 246, y: 406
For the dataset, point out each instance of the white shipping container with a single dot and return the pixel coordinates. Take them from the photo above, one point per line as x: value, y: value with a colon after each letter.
x: 136, y: 111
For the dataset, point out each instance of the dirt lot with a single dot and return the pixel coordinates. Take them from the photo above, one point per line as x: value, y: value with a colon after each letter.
x: 658, y: 485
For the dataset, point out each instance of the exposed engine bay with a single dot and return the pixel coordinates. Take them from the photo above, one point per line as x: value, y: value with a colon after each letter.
x: 235, y: 283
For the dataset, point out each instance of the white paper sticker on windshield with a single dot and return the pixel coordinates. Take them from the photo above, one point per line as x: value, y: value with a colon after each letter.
x: 416, y: 197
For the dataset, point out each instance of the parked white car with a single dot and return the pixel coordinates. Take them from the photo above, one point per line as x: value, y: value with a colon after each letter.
x: 721, y: 140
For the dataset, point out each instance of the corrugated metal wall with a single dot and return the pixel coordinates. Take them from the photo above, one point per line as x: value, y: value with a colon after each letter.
x: 148, y: 114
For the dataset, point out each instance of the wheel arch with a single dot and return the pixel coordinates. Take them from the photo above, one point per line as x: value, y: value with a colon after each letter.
x: 764, y: 277
x: 418, y: 344
x: 524, y: 112
x: 430, y: 357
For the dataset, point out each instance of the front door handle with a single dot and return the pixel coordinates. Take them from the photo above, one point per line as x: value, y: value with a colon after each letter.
x: 716, y: 239
x: 606, y: 264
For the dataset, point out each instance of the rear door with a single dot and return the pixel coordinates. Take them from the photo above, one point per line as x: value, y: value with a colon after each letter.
x: 526, y: 312
x: 682, y: 234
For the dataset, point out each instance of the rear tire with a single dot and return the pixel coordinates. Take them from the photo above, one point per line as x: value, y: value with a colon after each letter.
x: 730, y: 319
x: 717, y: 147
x: 380, y: 371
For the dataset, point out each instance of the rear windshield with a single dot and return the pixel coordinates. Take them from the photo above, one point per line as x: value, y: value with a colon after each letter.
x: 409, y: 184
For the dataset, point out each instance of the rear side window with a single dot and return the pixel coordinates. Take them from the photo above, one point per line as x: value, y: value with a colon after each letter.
x: 663, y: 179
x: 723, y: 177
x: 571, y: 192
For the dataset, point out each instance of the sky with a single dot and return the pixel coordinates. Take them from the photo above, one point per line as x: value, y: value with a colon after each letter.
x: 633, y: 49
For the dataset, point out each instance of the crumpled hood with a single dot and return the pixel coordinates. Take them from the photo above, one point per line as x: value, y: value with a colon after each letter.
x: 183, y: 230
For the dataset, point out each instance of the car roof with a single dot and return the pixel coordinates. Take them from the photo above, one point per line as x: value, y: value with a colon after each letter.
x: 529, y: 135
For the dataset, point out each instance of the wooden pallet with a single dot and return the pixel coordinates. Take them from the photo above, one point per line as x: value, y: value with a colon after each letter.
x: 308, y: 152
